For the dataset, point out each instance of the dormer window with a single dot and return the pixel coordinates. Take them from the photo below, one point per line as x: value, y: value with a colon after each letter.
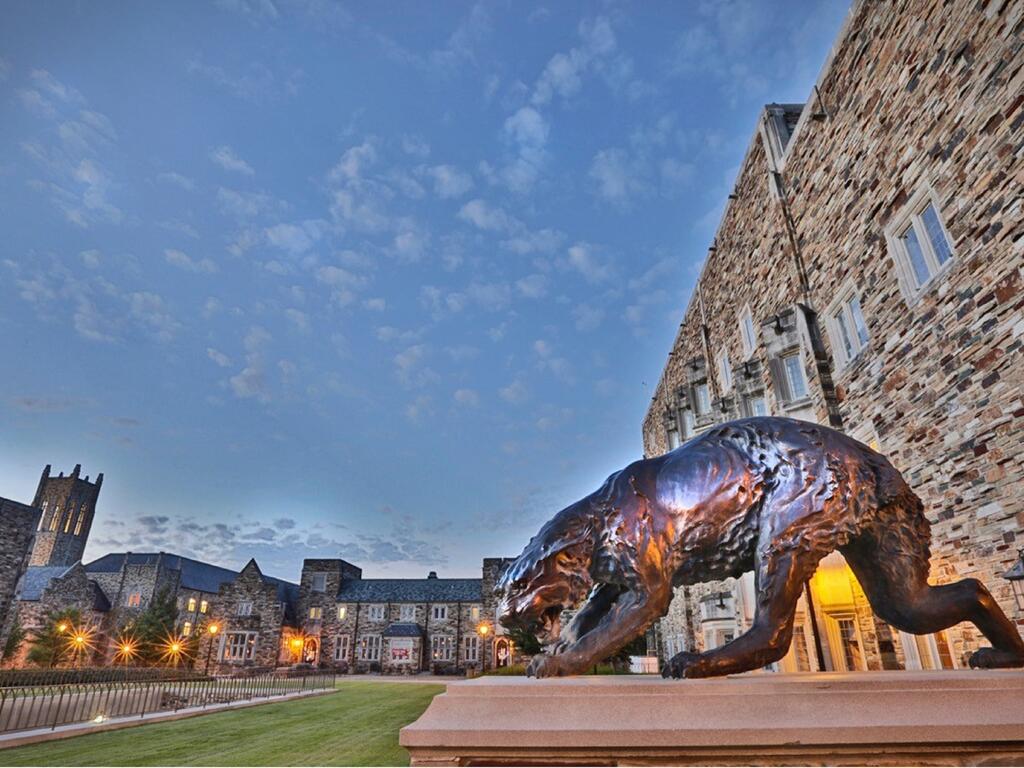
x: 319, y: 582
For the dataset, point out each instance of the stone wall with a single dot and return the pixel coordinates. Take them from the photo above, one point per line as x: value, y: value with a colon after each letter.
x: 18, y: 523
x: 920, y: 102
x: 68, y: 505
x: 265, y: 621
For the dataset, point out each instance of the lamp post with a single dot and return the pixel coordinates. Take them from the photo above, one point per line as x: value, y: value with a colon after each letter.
x: 211, y: 630
x: 483, y: 629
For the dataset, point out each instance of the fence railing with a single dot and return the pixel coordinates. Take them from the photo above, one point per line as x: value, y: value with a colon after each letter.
x: 48, y: 706
x: 18, y: 678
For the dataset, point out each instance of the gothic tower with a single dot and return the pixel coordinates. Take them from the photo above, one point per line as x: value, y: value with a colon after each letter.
x: 68, y: 504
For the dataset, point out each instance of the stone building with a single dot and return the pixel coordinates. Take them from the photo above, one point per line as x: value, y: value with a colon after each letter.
x: 866, y: 274
x: 67, y: 505
x: 245, y: 620
x: 18, y: 523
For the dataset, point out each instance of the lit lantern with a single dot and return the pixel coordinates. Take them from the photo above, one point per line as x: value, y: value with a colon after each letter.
x: 483, y: 629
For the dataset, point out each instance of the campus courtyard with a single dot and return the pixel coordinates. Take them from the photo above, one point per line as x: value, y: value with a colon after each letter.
x: 356, y: 725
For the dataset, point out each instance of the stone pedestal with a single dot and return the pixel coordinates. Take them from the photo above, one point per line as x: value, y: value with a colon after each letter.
x: 964, y: 717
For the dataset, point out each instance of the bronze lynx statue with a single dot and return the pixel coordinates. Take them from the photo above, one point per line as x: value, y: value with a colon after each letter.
x: 770, y: 495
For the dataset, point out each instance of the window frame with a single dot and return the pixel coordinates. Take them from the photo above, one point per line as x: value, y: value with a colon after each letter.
x: 843, y: 305
x: 342, y: 611
x: 749, y: 344
x: 243, y: 608
x: 439, y: 612
x: 204, y: 606
x: 134, y: 600
x: 701, y: 405
x: 369, y: 647
x: 446, y: 644
x: 407, y: 612
x: 724, y: 371
x: 342, y: 647
x: 320, y: 576
x: 316, y: 613
x: 248, y: 649
x: 910, y: 216
x: 376, y: 612
x: 471, y: 649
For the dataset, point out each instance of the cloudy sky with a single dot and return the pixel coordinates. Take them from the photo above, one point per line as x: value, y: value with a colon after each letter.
x: 391, y: 281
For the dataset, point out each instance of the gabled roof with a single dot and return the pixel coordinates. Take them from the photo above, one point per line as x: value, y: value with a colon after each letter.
x: 37, y: 578
x: 403, y: 629
x: 411, y: 590
x: 195, y: 574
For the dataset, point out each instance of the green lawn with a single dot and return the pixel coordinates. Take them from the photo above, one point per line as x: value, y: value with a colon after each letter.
x: 358, y: 725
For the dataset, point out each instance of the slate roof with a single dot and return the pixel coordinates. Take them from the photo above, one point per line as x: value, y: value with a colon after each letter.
x: 411, y: 590
x: 403, y: 629
x: 195, y: 574
x: 37, y: 578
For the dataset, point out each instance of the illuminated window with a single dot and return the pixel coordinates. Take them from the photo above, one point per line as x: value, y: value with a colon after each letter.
x: 471, y: 648
x: 203, y: 606
x: 81, y: 520
x: 244, y: 608
x: 407, y: 613
x: 441, y: 647
x: 67, y: 520
x: 474, y: 613
x: 239, y: 646
x: 42, y: 517
x: 134, y: 600
x: 319, y: 582
x: 369, y: 648
x: 55, y: 520
x: 316, y: 613
x: 375, y: 612
x: 341, y: 647
x: 849, y: 640
x: 440, y: 612
x: 186, y: 628
x: 192, y: 605
x: 342, y: 612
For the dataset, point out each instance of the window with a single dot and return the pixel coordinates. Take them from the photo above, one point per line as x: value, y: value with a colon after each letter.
x: 134, y: 600
x: 244, y: 608
x: 755, y: 406
x: 441, y: 647
x: 673, y: 437
x: 702, y: 400
x: 471, y: 648
x: 747, y: 332
x: 42, y: 517
x: 440, y: 612
x: 369, y: 647
x: 316, y: 613
x: 788, y: 377
x: 239, y: 646
x: 82, y: 512
x: 55, y: 520
x: 919, y: 243
x: 203, y: 606
x: 724, y: 371
x: 407, y: 613
x: 342, y: 612
x: 375, y: 612
x: 846, y: 326
x: 191, y: 605
x: 474, y: 613
x: 186, y: 628
x: 688, y: 425
x: 67, y: 521
x: 849, y: 642
x: 319, y: 582
x: 341, y: 647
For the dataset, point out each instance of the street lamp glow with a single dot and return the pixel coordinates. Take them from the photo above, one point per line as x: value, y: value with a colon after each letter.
x: 213, y: 629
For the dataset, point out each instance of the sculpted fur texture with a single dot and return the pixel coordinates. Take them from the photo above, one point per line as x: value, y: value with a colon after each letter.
x: 770, y: 495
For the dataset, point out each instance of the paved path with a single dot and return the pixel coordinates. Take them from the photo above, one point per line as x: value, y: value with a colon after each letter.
x: 424, y: 677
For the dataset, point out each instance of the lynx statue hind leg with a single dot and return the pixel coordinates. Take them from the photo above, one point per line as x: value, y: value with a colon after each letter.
x: 892, y: 567
x: 780, y: 577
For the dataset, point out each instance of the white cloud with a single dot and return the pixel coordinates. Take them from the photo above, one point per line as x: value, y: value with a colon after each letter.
x: 296, y: 239
x: 415, y: 146
x: 218, y: 357
x: 354, y: 161
x: 617, y: 175
x: 251, y: 381
x: 375, y: 304
x: 587, y: 318
x: 514, y: 393
x: 564, y: 72
x: 468, y: 397
x: 182, y: 260
x: 149, y: 310
x: 533, y: 286
x: 582, y: 259
x: 242, y: 205
x: 482, y: 215
x: 410, y: 244
x: 449, y: 181
x: 527, y: 131
x: 225, y: 157
x: 541, y: 241
x: 298, y: 318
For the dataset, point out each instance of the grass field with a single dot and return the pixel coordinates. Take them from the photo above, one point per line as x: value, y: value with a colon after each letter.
x: 358, y: 725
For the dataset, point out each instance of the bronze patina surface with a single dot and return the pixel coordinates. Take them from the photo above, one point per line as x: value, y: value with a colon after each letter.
x: 770, y: 495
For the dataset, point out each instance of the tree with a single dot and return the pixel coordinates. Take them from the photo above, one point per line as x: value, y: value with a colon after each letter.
x: 51, y: 644
x: 526, y: 642
x: 154, y: 627
x: 14, y: 639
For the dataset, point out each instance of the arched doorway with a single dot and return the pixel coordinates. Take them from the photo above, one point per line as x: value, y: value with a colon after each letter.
x: 502, y: 652
x: 311, y: 650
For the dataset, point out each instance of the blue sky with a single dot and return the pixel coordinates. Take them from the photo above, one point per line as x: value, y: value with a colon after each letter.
x: 391, y: 281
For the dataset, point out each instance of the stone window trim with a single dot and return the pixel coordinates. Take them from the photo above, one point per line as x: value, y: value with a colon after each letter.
x: 842, y: 630
x: 724, y: 371
x: 471, y: 649
x: 909, y: 219
x: 134, y: 600
x: 787, y: 390
x: 192, y: 604
x: 439, y: 612
x: 186, y: 629
x: 369, y: 647
x: 238, y: 647
x: 442, y: 648
x: 243, y: 608
x: 316, y: 613
x: 204, y: 606
x: 342, y: 647
x: 318, y: 582
x: 375, y: 612
x: 407, y: 612
x: 849, y: 336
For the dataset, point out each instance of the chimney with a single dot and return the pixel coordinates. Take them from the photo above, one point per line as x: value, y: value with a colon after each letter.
x: 432, y: 575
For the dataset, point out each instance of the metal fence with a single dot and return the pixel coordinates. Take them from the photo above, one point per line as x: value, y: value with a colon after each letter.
x: 47, y: 706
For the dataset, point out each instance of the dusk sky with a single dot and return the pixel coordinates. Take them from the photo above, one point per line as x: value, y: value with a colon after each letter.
x: 386, y: 281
